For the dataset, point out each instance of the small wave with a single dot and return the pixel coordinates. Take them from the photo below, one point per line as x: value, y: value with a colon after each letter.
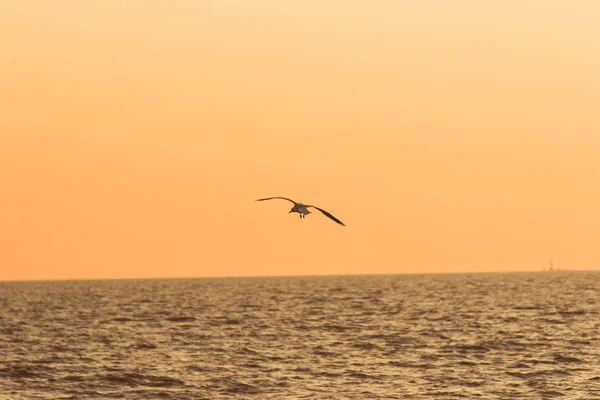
x: 335, y: 328
x: 251, y: 366
x: 362, y: 375
x: 527, y: 308
x: 245, y: 306
x: 181, y: 319
x: 439, y: 318
x: 467, y: 363
x: 248, y: 350
x: 225, y: 321
x: 553, y: 321
x: 232, y: 321
x: 122, y: 319
x: 144, y: 346
x: 367, y: 346
x: 575, y: 312
x: 405, y: 364
x: 471, y: 383
x: 73, y: 378
x: 529, y: 375
x: 145, y: 316
x: 134, y: 379
x: 231, y: 385
x: 443, y: 394
x: 562, y: 359
x: 26, y: 371
x: 10, y: 330
x: 49, y: 360
x: 551, y: 393
x: 323, y: 353
x: 518, y: 365
x: 198, y: 368
x: 466, y: 348
x: 508, y: 345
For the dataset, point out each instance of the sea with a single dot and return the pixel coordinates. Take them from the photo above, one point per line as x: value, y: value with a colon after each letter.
x: 456, y: 336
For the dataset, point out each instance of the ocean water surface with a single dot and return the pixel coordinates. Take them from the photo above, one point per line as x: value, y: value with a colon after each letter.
x: 464, y: 336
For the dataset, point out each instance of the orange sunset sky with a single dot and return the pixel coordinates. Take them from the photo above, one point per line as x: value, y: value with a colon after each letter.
x: 449, y: 136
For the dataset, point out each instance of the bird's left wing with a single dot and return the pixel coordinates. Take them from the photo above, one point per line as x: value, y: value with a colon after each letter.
x: 276, y: 197
x: 328, y: 215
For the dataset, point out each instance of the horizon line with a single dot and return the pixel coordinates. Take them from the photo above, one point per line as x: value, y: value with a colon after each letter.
x: 296, y: 275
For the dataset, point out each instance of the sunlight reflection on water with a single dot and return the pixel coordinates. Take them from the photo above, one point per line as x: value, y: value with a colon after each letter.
x: 488, y: 336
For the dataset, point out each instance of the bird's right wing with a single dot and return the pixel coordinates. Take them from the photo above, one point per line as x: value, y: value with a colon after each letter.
x: 328, y: 215
x: 276, y: 197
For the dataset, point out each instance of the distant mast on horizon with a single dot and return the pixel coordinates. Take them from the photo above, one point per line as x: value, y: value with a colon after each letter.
x: 551, y: 267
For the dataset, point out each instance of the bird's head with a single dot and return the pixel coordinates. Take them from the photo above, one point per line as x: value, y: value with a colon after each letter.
x: 292, y: 210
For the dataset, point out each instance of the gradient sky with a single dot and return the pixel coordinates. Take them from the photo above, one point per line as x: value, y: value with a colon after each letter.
x: 449, y: 136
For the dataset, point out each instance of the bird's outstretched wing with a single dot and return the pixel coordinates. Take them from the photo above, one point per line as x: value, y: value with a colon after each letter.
x: 329, y: 215
x: 277, y: 197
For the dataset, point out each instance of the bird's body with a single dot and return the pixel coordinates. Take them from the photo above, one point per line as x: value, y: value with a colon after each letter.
x: 303, y: 209
x: 300, y: 209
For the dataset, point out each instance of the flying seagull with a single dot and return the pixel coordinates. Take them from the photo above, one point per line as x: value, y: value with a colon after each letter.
x: 302, y: 209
